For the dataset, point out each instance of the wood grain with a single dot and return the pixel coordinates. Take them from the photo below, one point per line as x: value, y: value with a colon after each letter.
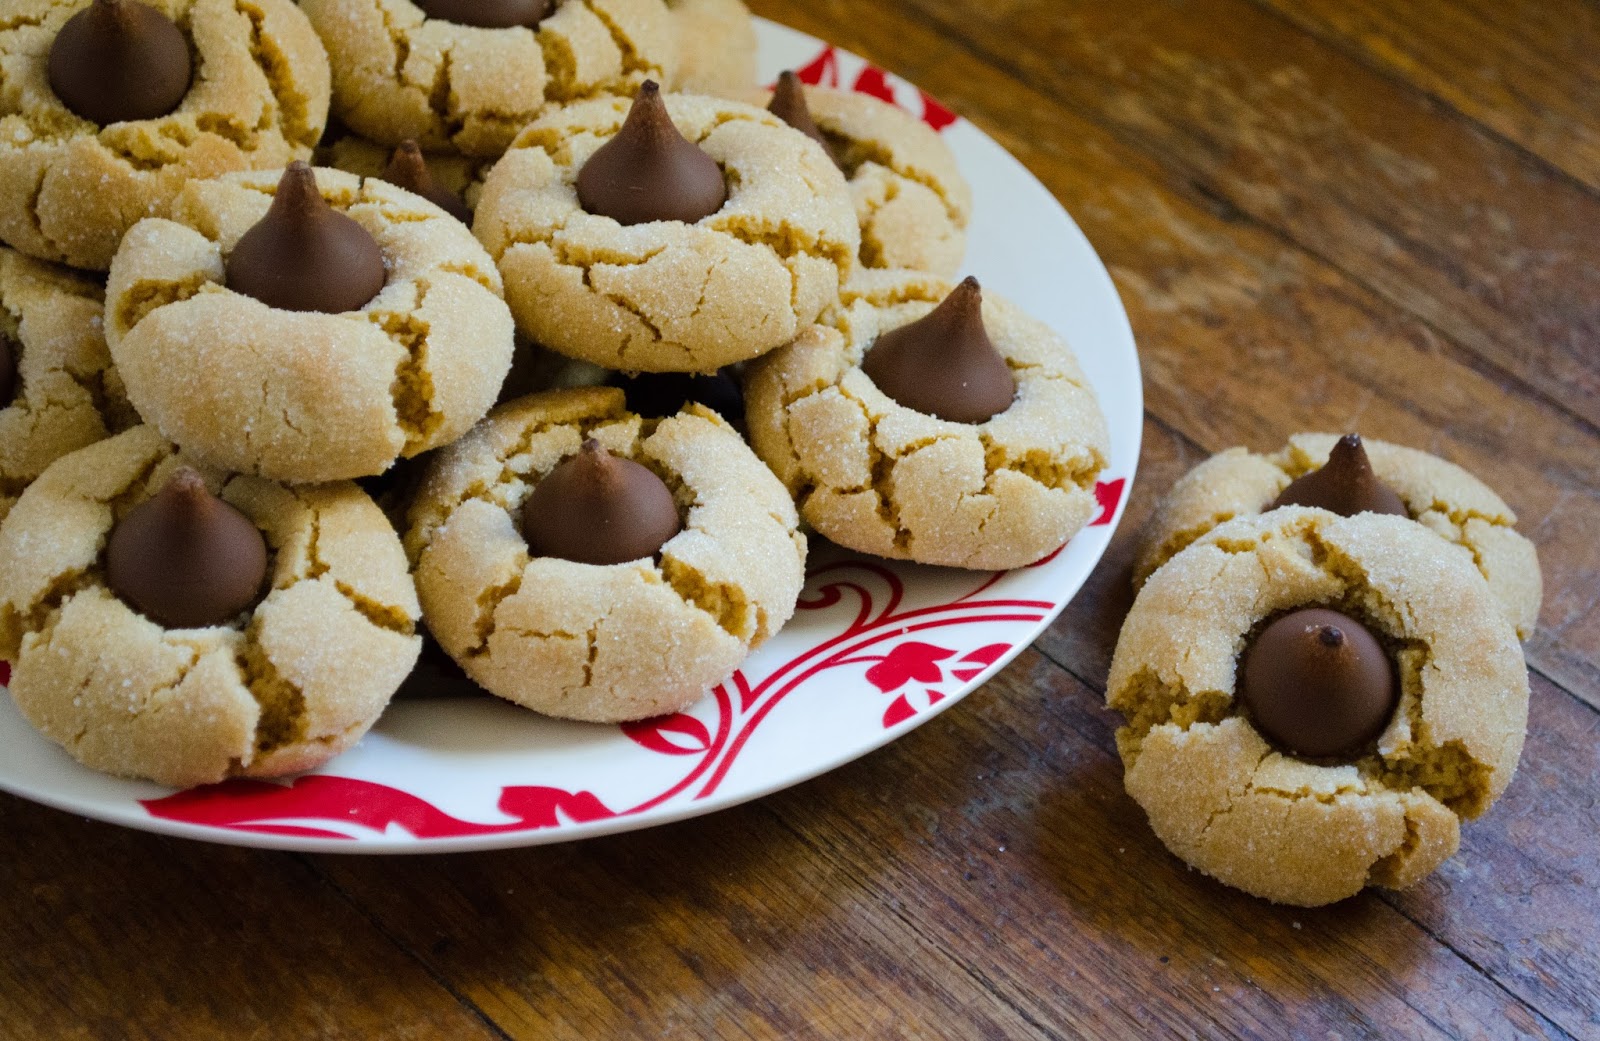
x: 116, y: 935
x: 1329, y: 214
x: 1416, y: 205
x: 1537, y: 84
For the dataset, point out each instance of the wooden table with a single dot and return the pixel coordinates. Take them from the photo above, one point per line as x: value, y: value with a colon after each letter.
x: 1321, y: 214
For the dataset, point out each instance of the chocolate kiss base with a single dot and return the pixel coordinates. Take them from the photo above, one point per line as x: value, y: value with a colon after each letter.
x: 304, y: 255
x: 649, y: 171
x: 1318, y: 684
x: 595, y: 508
x: 185, y: 558
x: 488, y: 14
x: 1345, y: 485
x: 944, y: 363
x: 120, y: 60
x: 409, y: 170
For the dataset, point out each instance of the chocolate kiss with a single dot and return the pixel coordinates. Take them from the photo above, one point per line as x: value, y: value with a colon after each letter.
x: 1345, y: 485
x: 8, y: 371
x: 944, y: 363
x: 649, y: 171
x: 186, y: 558
x: 304, y: 255
x: 407, y: 169
x: 597, y: 509
x: 1318, y: 683
x: 661, y: 394
x: 487, y: 14
x: 789, y: 104
x: 120, y: 60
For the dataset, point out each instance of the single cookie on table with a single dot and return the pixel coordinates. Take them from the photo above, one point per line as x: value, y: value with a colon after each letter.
x: 1315, y: 702
x: 169, y: 621
x: 586, y: 563
x: 466, y: 75
x: 910, y: 198
x: 58, y: 388
x: 111, y: 106
x: 1437, y: 494
x: 455, y: 180
x: 324, y: 325
x: 669, y: 233
x: 962, y: 434
x: 716, y: 48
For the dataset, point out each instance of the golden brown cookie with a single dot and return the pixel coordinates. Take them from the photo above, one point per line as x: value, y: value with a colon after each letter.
x: 666, y: 295
x: 303, y: 396
x: 69, y: 189
x: 1311, y: 832
x: 716, y: 48
x: 280, y: 689
x: 910, y: 198
x: 878, y: 477
x: 603, y: 643
x: 65, y: 392
x: 1437, y: 494
x: 399, y: 74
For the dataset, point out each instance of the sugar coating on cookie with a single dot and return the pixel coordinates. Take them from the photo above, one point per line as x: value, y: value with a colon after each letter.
x: 603, y: 643
x: 1287, y: 829
x: 875, y: 476
x: 910, y: 198
x: 66, y: 394
x: 1439, y: 495
x: 716, y: 48
x: 70, y: 189
x: 668, y: 296
x: 302, y: 396
x: 399, y: 74
x: 281, y: 689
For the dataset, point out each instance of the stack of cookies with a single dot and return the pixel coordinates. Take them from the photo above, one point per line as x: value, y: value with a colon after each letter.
x: 1321, y: 674
x: 569, y: 332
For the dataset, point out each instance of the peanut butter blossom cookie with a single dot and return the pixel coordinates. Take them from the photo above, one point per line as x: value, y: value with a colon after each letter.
x: 910, y: 198
x: 466, y: 75
x: 168, y: 621
x: 716, y: 48
x: 591, y: 564
x: 932, y: 425
x: 1314, y: 703
x: 1348, y: 476
x: 325, y: 325
x: 111, y: 106
x: 668, y: 233
x: 58, y: 389
x: 443, y: 178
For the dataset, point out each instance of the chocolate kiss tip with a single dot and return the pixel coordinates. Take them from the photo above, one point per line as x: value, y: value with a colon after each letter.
x: 117, y: 61
x: 304, y: 255
x: 649, y: 171
x: 185, y: 558
x: 1318, y: 683
x: 789, y: 104
x: 409, y: 170
x: 1345, y: 484
x: 944, y: 364
x: 595, y: 508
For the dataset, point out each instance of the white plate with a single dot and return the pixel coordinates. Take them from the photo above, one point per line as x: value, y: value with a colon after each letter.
x: 875, y: 649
